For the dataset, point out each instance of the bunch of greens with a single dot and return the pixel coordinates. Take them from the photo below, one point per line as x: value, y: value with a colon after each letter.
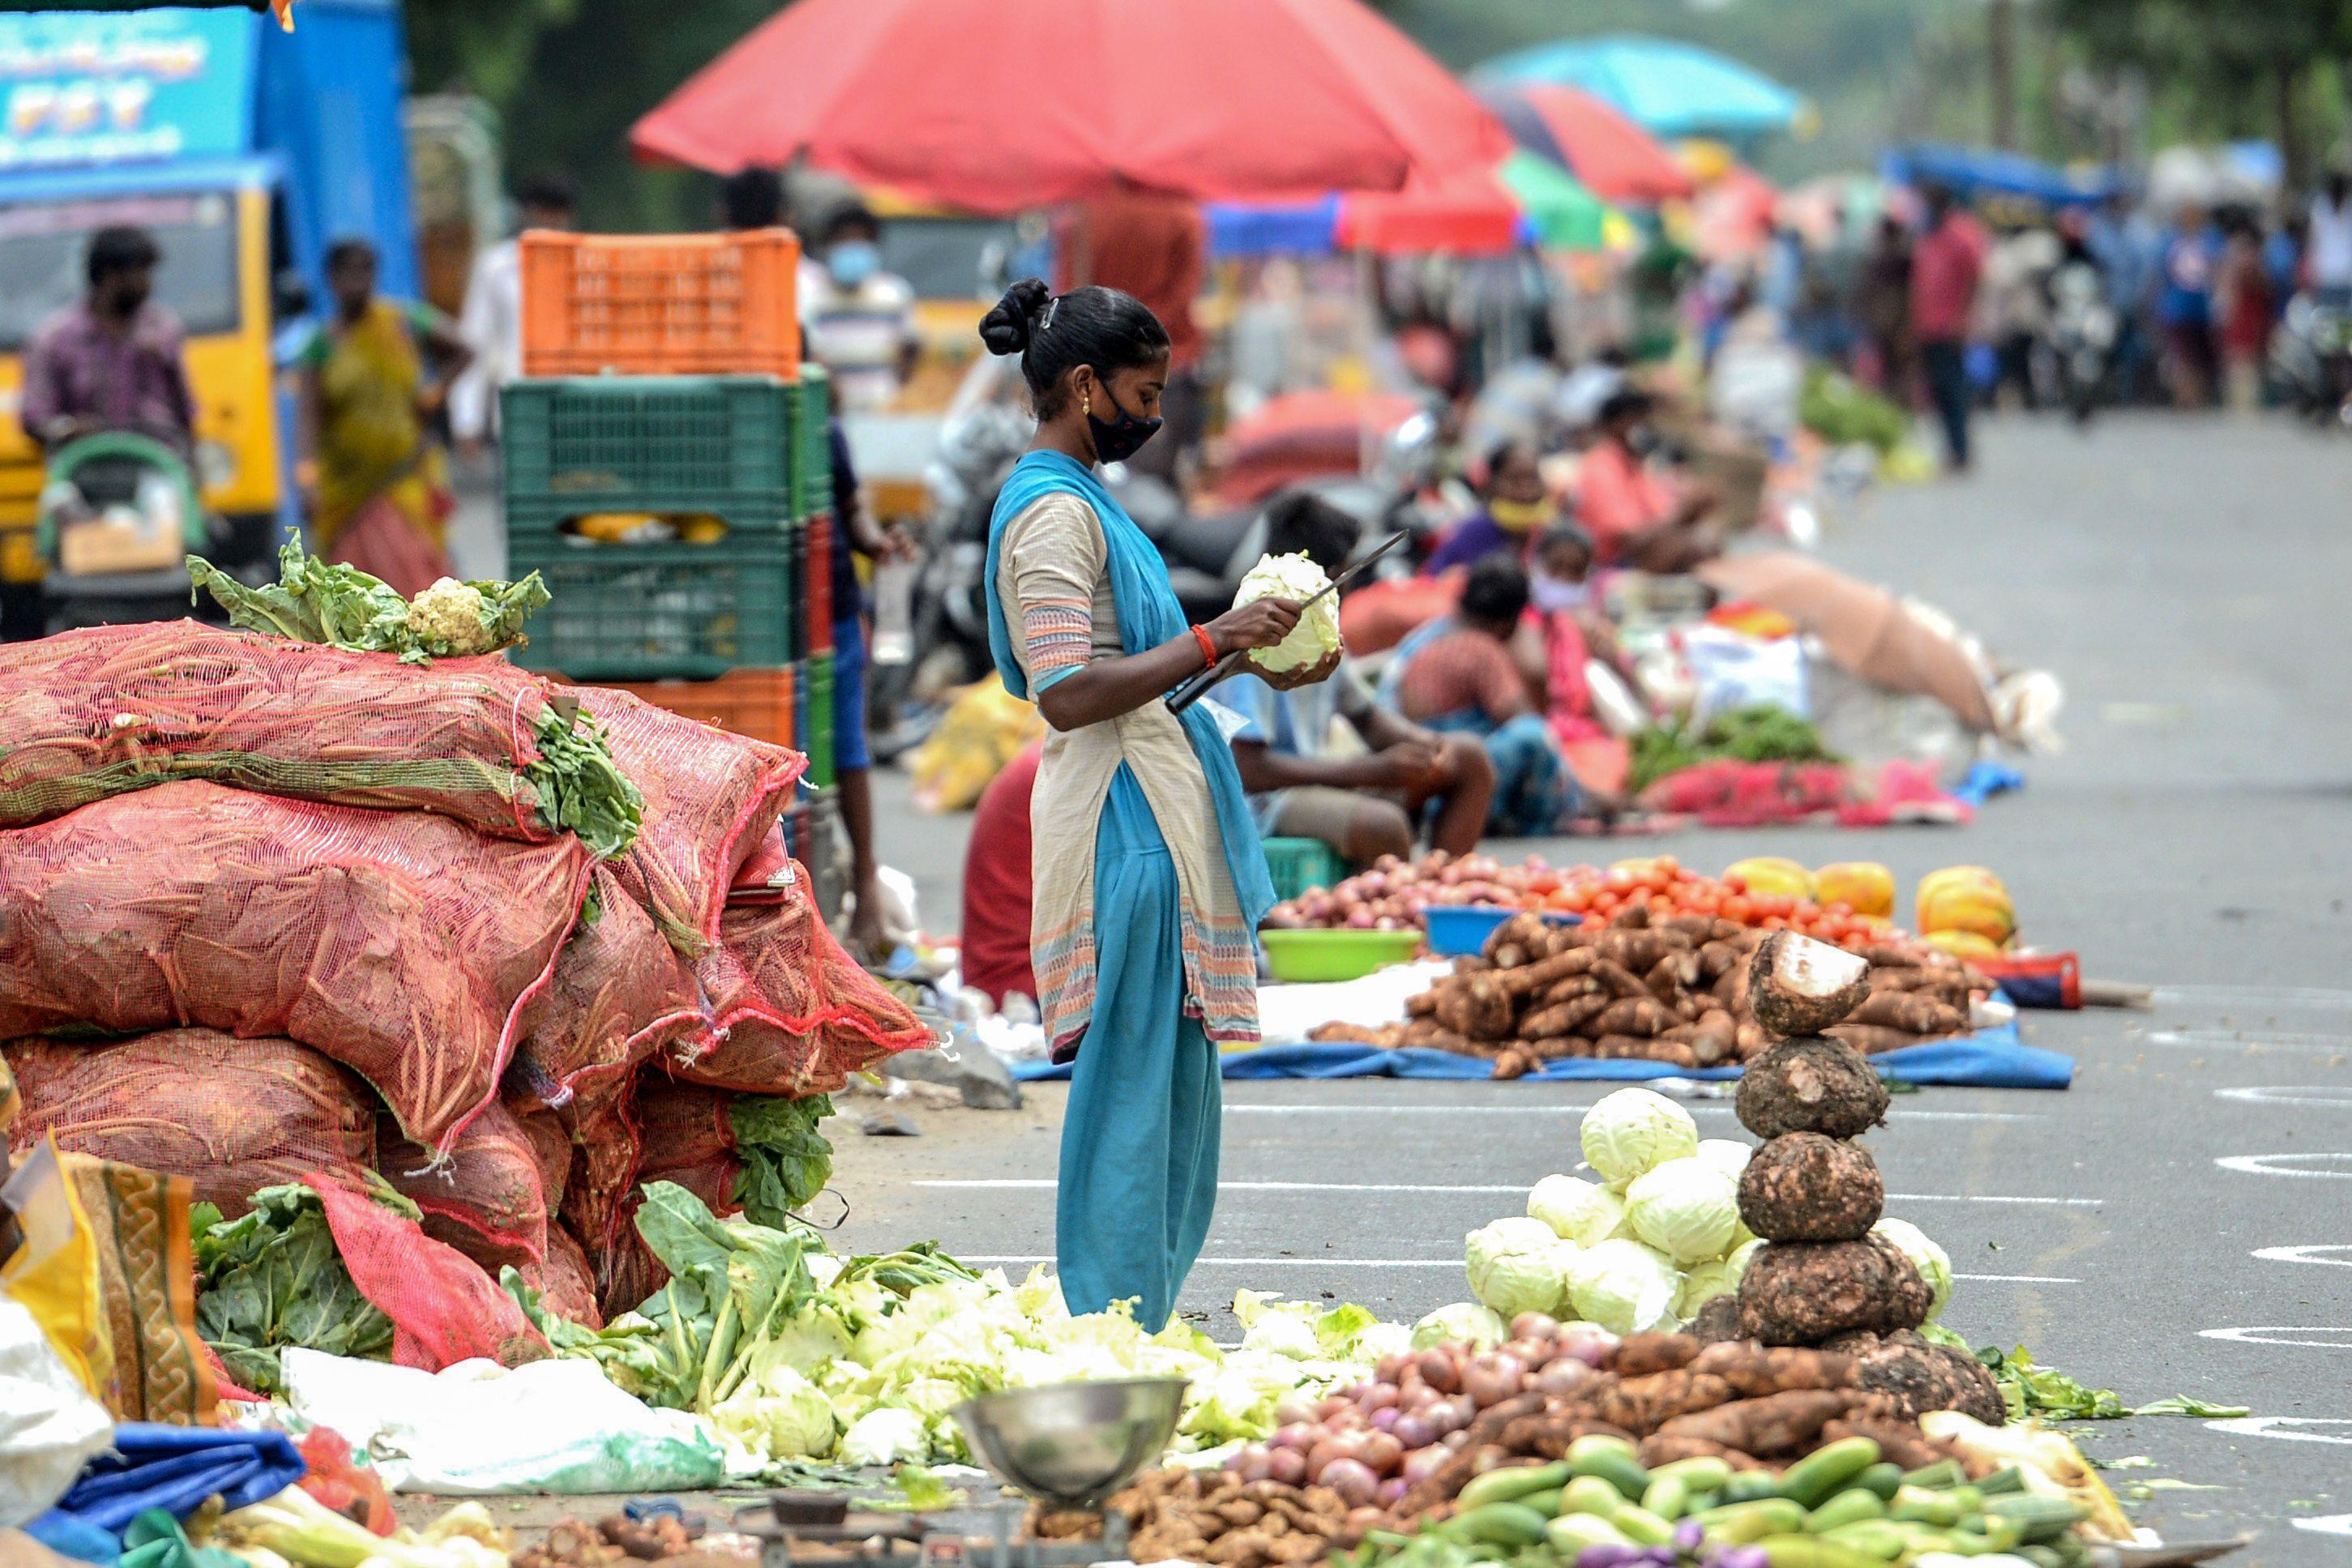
x: 2030, y: 1388
x: 1759, y: 732
x: 580, y: 787
x: 786, y: 1161
x: 1843, y: 412
x: 799, y: 1356
x: 314, y: 602
x: 272, y: 1278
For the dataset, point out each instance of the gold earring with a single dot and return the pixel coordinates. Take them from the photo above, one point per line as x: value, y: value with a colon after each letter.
x: 1087, y: 404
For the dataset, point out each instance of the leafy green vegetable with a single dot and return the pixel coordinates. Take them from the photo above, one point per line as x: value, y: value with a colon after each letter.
x: 786, y: 1161
x: 582, y: 788
x: 272, y: 1278
x: 2029, y: 1388
x: 1843, y: 412
x: 2182, y: 1405
x: 314, y: 602
x: 1760, y: 732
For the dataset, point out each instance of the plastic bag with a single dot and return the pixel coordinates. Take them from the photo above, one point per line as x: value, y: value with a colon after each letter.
x: 985, y: 728
x: 1733, y: 671
x: 553, y: 1425
x: 54, y: 1274
x: 50, y: 1424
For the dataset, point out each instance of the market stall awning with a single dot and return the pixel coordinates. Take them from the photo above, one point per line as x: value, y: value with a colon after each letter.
x: 1669, y: 88
x: 1973, y: 171
x: 1527, y: 201
x: 999, y: 105
x: 1618, y: 159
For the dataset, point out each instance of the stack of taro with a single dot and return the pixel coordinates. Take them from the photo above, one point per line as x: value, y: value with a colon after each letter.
x: 1823, y: 1278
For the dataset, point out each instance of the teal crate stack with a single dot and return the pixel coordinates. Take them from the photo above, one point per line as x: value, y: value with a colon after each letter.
x: 812, y: 452
x: 818, y: 732
x: 1298, y: 865
x: 686, y: 448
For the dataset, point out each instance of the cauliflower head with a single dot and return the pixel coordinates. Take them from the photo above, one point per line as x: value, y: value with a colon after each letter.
x: 450, y: 617
x: 1317, y: 632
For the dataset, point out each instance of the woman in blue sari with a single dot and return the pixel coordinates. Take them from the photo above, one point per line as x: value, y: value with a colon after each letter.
x: 1150, y: 879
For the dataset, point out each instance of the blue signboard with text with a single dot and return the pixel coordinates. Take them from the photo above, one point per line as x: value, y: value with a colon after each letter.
x: 83, y: 87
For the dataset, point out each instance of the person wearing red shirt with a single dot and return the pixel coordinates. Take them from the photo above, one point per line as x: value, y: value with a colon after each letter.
x: 1639, y: 517
x: 1155, y: 247
x: 996, y: 885
x: 1946, y: 268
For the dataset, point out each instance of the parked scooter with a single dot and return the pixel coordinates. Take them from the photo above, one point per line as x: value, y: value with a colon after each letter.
x: 2311, y: 359
x: 117, y: 519
x: 2083, y: 329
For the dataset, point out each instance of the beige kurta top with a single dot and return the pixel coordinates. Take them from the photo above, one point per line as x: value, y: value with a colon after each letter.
x: 1055, y: 590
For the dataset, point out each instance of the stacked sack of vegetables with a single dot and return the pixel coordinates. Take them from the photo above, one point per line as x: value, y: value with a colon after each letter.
x: 1671, y: 989
x: 332, y: 894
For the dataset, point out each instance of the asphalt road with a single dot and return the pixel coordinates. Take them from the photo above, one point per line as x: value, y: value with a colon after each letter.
x: 2178, y: 1221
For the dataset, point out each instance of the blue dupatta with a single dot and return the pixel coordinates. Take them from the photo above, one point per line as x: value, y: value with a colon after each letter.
x: 1148, y: 615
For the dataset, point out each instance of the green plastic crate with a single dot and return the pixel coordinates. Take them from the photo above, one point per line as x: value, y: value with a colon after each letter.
x: 812, y: 462
x: 1298, y: 866
x: 653, y: 611
x: 723, y: 444
x: 819, y: 747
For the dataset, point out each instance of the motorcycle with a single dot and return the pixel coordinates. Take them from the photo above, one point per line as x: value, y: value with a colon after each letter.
x: 2311, y: 359
x: 2083, y: 329
x: 117, y: 519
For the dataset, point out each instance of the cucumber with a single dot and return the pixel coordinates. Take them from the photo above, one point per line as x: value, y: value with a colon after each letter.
x: 1702, y: 1473
x: 1920, y: 1506
x: 1881, y: 1478
x: 1641, y: 1527
x: 1502, y: 1486
x: 1849, y: 1507
x: 1667, y: 1496
x: 1881, y: 1537
x: 1942, y: 1473
x: 2038, y: 1519
x: 2007, y: 1478
x: 1498, y: 1524
x: 1544, y: 1502
x: 1611, y: 1458
x: 1814, y: 1478
x: 1752, y: 1486
x: 1591, y: 1494
x: 1812, y: 1551
x: 1736, y: 1525
x: 1571, y: 1533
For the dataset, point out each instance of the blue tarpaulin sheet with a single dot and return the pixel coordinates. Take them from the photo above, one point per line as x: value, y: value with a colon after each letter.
x: 175, y: 1469
x: 1990, y: 1059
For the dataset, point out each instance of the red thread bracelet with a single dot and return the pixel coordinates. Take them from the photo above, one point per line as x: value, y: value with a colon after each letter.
x: 1208, y: 643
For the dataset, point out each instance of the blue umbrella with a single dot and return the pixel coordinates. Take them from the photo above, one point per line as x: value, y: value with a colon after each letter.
x: 1668, y: 88
x: 1973, y: 171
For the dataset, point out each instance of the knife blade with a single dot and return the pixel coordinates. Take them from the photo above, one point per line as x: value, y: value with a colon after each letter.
x: 1190, y: 692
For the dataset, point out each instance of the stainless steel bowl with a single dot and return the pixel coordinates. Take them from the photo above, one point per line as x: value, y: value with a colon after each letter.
x: 1073, y: 1444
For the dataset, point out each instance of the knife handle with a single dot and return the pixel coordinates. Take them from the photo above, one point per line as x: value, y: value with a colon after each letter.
x: 1190, y: 692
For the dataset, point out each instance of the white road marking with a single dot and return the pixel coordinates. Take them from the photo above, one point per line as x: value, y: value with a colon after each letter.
x: 2304, y: 1254
x: 2268, y: 1165
x: 2268, y: 1427
x: 1022, y: 1259
x: 2329, y: 1525
x: 1701, y: 1109
x: 2279, y: 1334
x: 1042, y: 1184
x: 2318, y: 1096
x: 2250, y: 1040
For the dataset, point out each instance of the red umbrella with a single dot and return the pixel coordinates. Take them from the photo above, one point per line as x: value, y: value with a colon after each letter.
x: 1619, y: 160
x: 997, y: 105
x: 1470, y: 215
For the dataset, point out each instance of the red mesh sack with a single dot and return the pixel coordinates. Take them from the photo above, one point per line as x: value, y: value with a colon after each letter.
x: 619, y: 993
x: 97, y: 713
x: 444, y: 1309
x: 231, y: 1116
x: 551, y: 1150
x: 798, y: 1016
x: 626, y: 1272
x: 487, y: 1199
x: 605, y: 1148
x: 755, y: 877
x: 402, y: 945
x: 563, y: 1280
x: 710, y: 796
x: 684, y: 1137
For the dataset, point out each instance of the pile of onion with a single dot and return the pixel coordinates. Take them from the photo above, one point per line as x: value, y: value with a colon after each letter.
x: 1369, y: 1441
x: 1392, y: 895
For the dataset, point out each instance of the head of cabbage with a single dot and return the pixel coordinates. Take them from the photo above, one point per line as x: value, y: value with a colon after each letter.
x: 1624, y: 1286
x: 1516, y: 1265
x: 1726, y: 1154
x: 1934, y: 1264
x: 1633, y: 1130
x: 1293, y: 577
x: 1686, y: 1208
x: 1463, y: 1322
x: 1709, y: 1280
x: 1577, y: 1210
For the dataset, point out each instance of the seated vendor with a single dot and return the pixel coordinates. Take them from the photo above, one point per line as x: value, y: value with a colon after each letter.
x: 1459, y: 674
x: 1367, y: 801
x: 1517, y: 506
x: 996, y: 883
x: 1565, y: 634
x: 1638, y: 516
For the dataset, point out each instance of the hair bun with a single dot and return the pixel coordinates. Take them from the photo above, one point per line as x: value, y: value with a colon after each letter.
x: 1007, y: 329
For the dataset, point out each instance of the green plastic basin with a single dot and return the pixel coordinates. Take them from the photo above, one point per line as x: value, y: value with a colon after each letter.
x: 1334, y: 955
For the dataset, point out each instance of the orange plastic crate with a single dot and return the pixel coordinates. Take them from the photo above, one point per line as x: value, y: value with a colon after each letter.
x: 655, y: 305
x: 750, y: 702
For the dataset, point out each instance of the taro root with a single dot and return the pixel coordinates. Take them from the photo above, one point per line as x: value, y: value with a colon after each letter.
x: 1802, y: 1292
x: 1717, y: 1320
x: 1797, y: 985
x: 1919, y: 1377
x: 1808, y: 1188
x: 1810, y: 1086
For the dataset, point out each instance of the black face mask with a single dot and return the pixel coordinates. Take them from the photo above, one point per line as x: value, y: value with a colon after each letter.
x: 1117, y: 440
